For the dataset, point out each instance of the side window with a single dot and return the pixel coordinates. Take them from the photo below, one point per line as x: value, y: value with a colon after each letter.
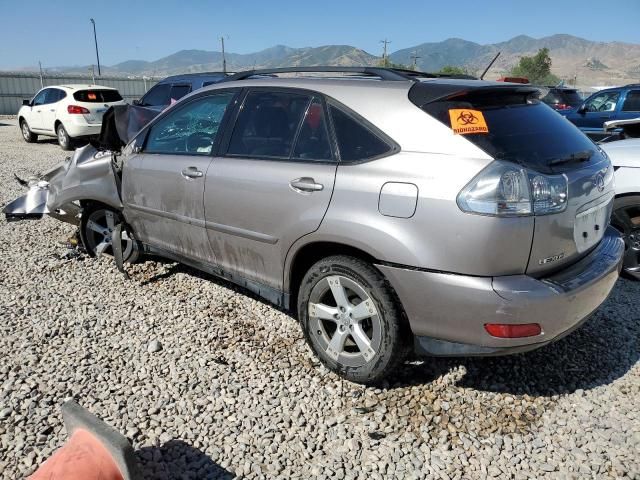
x: 158, y: 95
x: 313, y: 139
x: 40, y: 98
x: 178, y: 91
x: 355, y: 141
x: 632, y: 102
x: 191, y: 129
x: 603, y: 102
x: 54, y: 95
x: 267, y: 124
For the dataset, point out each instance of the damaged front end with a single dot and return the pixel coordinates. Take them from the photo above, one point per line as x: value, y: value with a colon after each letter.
x: 92, y: 174
x: 89, y: 175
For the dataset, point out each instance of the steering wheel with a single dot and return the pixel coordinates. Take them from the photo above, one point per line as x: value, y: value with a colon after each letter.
x: 197, y: 140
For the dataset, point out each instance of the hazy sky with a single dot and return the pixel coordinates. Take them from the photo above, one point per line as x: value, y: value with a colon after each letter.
x: 59, y: 32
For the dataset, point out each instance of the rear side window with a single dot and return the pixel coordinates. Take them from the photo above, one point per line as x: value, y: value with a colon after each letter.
x: 355, y: 141
x: 632, y: 102
x: 267, y: 124
x: 158, y: 95
x: 178, y: 91
x: 518, y: 129
x: 313, y: 139
x: 97, y: 96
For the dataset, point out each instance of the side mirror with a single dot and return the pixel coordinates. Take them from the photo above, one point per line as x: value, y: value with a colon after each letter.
x: 582, y: 109
x: 26, y: 103
x: 136, y: 102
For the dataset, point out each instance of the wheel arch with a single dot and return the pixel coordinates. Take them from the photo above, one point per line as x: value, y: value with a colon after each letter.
x: 306, y: 255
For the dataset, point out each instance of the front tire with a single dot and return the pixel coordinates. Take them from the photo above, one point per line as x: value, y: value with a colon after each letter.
x: 352, y: 320
x: 96, y: 229
x: 626, y: 219
x: 64, y: 140
x: 27, y: 134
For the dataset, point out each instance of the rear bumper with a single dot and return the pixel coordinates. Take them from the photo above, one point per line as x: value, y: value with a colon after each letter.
x: 447, y: 312
x: 80, y: 128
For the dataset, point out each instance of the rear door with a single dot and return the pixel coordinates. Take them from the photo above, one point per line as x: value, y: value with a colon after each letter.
x: 630, y: 106
x: 272, y: 185
x: 163, y: 184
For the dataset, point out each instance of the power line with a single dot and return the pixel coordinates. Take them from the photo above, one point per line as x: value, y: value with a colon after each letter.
x: 385, y: 58
x: 415, y: 57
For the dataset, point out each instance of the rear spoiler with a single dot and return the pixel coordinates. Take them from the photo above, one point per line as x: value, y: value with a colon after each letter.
x: 424, y: 93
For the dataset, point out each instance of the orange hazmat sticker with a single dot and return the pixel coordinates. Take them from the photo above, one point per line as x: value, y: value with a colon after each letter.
x: 465, y: 121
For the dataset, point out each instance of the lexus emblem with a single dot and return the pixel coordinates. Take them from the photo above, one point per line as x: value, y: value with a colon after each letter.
x: 599, y: 182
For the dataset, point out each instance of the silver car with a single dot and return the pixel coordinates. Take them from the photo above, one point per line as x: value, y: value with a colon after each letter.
x: 389, y: 211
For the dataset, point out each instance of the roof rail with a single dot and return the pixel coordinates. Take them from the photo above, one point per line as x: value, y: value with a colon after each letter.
x: 380, y: 72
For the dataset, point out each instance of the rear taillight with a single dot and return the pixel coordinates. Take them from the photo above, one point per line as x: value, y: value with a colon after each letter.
x: 76, y: 109
x: 504, y: 189
x: 512, y: 330
x: 562, y: 106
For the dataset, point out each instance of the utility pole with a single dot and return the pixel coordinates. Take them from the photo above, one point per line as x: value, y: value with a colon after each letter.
x: 95, y: 39
x: 41, y: 76
x: 93, y: 74
x: 224, y: 60
x: 385, y: 59
x: 415, y: 58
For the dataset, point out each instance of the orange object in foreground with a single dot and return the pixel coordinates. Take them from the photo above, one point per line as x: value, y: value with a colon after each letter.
x: 83, y: 457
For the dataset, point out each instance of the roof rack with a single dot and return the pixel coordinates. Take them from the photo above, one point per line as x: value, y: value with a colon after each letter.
x: 393, y: 74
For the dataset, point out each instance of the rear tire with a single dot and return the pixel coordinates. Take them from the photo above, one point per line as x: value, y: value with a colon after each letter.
x: 626, y: 219
x: 27, y: 134
x: 64, y: 140
x: 352, y: 320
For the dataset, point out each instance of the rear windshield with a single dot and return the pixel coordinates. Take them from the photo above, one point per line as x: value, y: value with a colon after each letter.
x: 518, y: 129
x: 566, y: 97
x: 97, y: 96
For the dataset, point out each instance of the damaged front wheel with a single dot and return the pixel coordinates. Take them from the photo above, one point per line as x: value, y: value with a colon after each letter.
x: 97, y: 229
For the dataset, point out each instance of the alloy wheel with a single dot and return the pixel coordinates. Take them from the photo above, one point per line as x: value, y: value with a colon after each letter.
x: 345, y: 321
x: 99, y: 230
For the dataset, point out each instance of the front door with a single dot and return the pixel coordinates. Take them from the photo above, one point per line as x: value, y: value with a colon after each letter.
x: 272, y: 186
x: 163, y: 184
x: 599, y: 108
x: 36, y: 115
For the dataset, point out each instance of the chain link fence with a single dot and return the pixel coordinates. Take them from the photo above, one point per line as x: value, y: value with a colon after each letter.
x: 15, y: 87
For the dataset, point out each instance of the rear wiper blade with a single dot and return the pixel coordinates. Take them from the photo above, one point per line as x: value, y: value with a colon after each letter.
x: 582, y: 156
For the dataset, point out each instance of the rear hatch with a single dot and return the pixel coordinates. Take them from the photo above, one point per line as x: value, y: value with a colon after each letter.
x: 96, y: 101
x: 521, y: 129
x: 563, y: 98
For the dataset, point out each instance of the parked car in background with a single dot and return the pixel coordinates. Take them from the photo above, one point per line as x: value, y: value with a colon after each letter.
x: 68, y: 112
x: 625, y: 157
x: 389, y: 210
x: 172, y: 89
x: 618, y: 103
x: 562, y: 98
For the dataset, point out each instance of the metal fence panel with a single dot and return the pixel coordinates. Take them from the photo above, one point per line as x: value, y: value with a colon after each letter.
x: 14, y: 87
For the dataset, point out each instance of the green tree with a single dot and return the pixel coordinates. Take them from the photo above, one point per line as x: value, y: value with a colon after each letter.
x: 453, y: 70
x: 536, y: 68
x: 389, y: 64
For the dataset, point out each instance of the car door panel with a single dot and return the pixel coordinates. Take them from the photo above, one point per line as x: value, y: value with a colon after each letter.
x: 36, y: 119
x: 264, y: 194
x: 253, y: 213
x: 163, y: 185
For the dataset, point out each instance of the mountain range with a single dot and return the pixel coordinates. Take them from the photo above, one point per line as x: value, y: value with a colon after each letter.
x: 588, y: 61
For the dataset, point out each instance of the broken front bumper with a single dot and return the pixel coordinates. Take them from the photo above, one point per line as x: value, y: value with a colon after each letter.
x: 35, y: 204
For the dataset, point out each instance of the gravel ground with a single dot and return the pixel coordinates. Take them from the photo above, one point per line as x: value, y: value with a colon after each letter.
x: 208, y: 382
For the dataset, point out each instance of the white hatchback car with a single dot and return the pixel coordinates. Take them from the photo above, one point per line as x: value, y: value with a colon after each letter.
x: 67, y: 112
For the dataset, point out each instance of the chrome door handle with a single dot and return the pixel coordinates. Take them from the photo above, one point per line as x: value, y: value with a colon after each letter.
x: 192, y: 172
x: 306, y: 184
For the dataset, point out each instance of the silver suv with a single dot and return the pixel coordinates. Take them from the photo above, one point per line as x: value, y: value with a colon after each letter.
x: 389, y: 210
